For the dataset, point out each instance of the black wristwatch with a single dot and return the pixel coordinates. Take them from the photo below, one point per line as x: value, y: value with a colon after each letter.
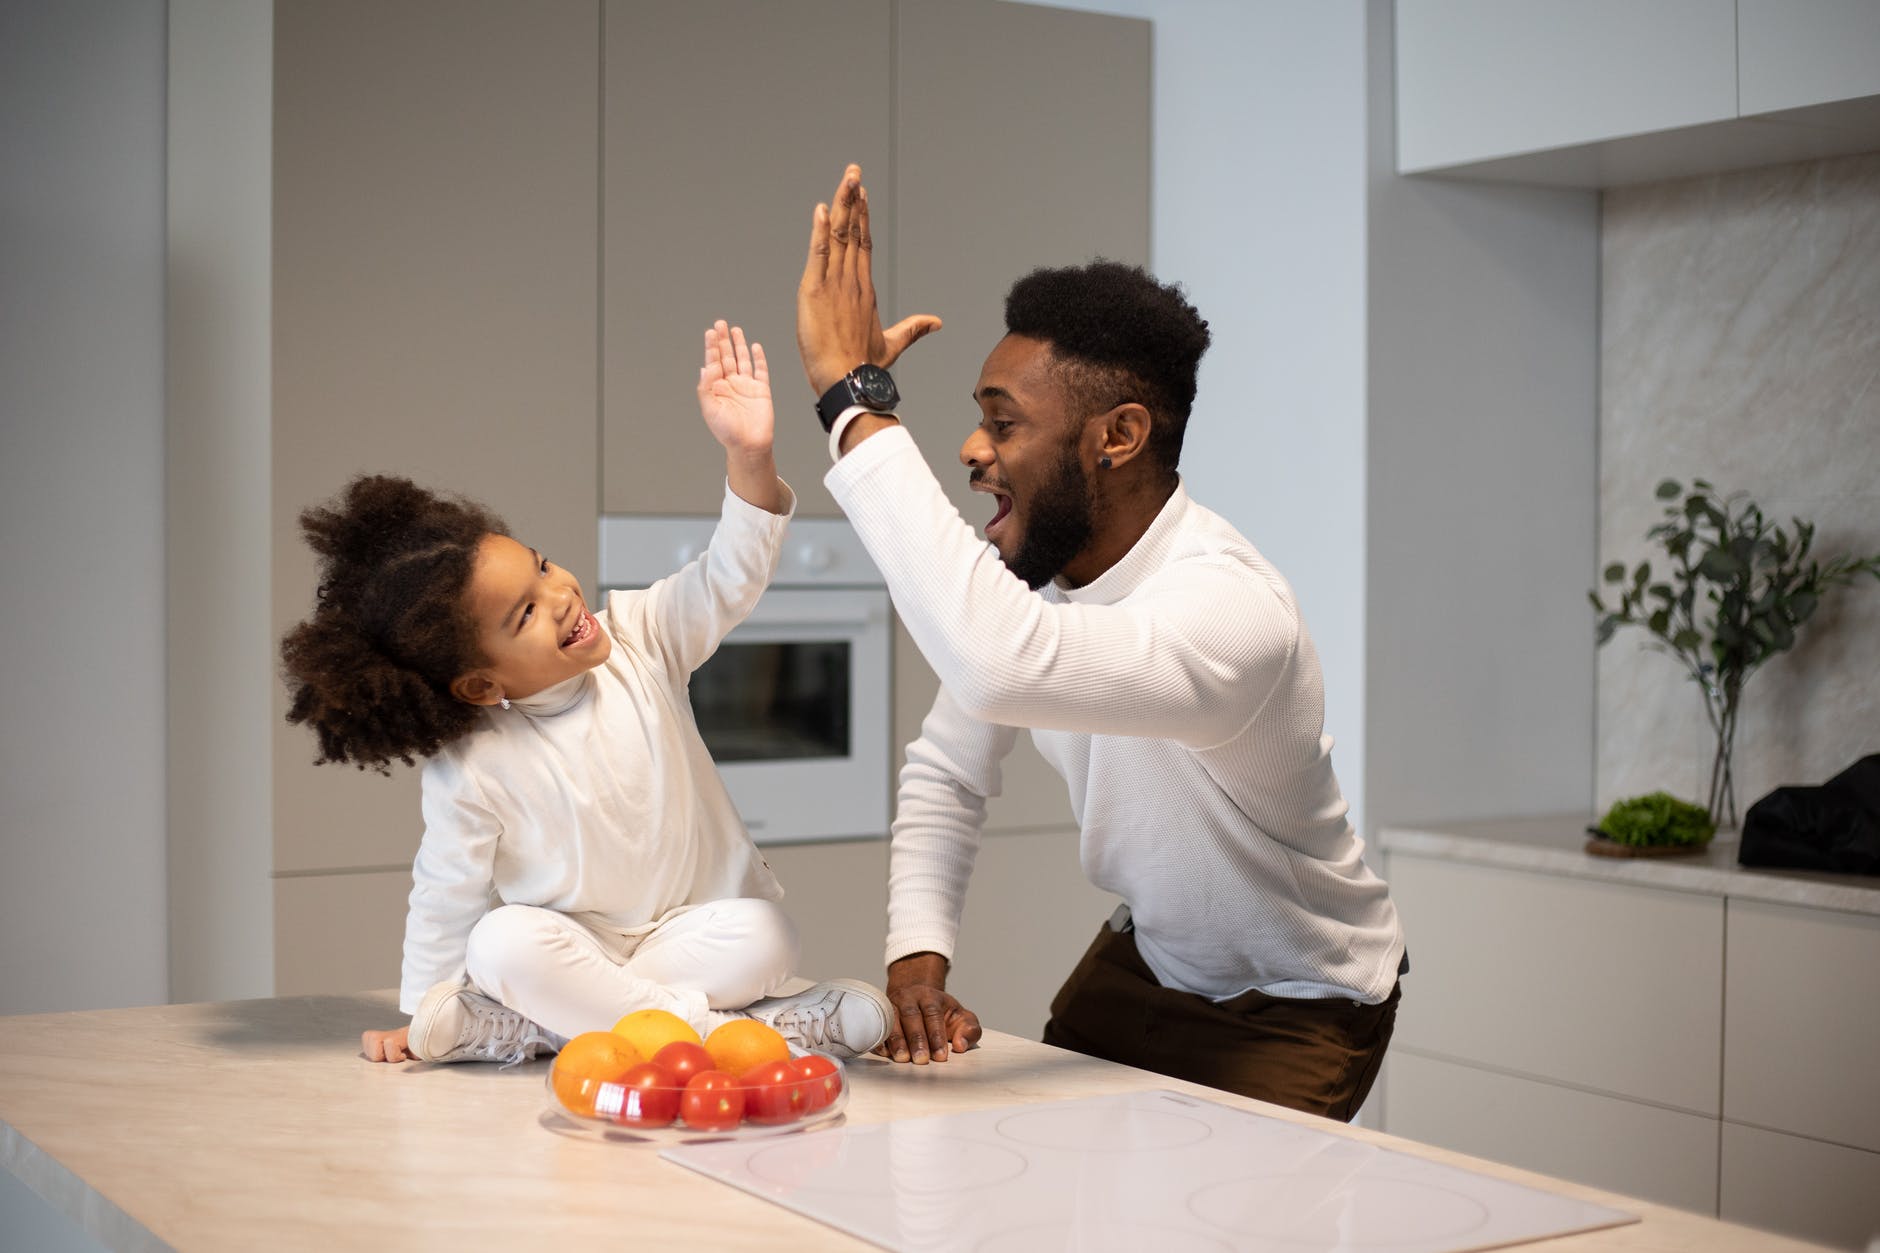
x: 869, y: 386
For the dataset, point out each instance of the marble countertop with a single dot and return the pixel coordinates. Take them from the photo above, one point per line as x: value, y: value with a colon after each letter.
x: 256, y: 1124
x: 1557, y: 845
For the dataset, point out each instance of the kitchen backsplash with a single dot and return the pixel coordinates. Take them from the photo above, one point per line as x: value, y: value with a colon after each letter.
x: 1740, y: 342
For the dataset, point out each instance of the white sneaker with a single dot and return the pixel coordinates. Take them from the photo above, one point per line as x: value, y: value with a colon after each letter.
x: 457, y: 1024
x: 844, y: 1017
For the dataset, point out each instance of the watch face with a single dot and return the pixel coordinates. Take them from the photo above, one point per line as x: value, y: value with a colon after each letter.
x: 876, y: 386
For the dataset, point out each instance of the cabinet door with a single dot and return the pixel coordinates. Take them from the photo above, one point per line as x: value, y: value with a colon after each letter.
x: 1630, y: 1147
x: 1792, y: 53
x: 1603, y: 986
x: 1480, y: 79
x: 726, y: 122
x: 1021, y: 140
x: 1801, y: 1022
x: 1800, y: 1187
x: 435, y: 219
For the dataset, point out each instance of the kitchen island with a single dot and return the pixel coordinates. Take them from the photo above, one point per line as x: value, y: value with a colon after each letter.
x: 257, y: 1125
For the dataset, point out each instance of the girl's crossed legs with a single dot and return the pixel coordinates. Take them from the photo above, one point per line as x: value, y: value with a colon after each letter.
x: 721, y: 955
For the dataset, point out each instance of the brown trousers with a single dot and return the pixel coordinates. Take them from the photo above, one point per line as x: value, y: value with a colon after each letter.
x: 1320, y: 1056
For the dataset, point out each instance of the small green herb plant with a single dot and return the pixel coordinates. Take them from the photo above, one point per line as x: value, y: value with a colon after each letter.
x: 1737, y: 590
x: 1657, y: 818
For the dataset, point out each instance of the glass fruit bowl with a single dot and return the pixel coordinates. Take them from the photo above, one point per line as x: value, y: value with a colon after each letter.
x: 809, y: 1089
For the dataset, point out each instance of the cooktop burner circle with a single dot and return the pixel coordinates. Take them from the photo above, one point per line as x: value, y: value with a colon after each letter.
x: 1102, y: 1129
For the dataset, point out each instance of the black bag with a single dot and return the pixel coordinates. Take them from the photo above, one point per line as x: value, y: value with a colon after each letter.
x: 1832, y: 827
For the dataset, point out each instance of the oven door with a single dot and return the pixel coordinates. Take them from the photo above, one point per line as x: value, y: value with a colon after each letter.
x: 794, y: 708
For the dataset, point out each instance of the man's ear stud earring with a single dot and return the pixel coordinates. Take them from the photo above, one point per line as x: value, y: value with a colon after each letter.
x: 505, y: 702
x: 1103, y: 462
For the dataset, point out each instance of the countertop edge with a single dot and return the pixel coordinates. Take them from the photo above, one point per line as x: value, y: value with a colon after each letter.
x: 1557, y: 845
x: 52, y: 1182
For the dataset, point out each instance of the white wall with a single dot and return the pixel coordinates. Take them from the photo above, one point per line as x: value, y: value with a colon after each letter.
x: 1258, y: 210
x: 221, y: 646
x: 82, y: 864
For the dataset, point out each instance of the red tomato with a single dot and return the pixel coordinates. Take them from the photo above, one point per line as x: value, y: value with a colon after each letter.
x: 774, y: 1093
x: 712, y: 1101
x: 683, y: 1059
x: 651, y: 1097
x: 821, y: 1079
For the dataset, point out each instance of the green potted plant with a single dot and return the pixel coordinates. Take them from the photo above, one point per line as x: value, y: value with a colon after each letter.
x: 1736, y: 592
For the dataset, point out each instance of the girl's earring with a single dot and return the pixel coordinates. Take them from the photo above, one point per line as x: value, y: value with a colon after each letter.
x: 505, y: 702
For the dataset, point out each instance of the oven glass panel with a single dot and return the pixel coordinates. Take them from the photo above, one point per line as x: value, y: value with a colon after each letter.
x: 774, y: 701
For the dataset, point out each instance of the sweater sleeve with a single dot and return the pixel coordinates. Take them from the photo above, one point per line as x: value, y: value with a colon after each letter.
x: 939, y: 813
x: 683, y: 617
x: 1190, y: 658
x: 450, y: 878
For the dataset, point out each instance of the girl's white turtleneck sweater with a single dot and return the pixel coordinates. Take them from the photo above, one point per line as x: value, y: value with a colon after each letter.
x: 596, y: 797
x: 1179, y: 696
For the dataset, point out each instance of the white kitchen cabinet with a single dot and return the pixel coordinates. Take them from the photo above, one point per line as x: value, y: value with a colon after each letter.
x: 1534, y: 966
x: 1795, y: 53
x: 1482, y: 79
x: 1606, y: 987
x: 1604, y: 93
x: 1643, y: 1150
x: 1800, y: 1187
x: 1802, y: 1023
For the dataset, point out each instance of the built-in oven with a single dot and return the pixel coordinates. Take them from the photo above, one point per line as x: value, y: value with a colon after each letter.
x: 794, y: 704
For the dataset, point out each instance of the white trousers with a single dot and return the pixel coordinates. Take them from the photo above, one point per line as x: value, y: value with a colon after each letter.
x: 568, y: 978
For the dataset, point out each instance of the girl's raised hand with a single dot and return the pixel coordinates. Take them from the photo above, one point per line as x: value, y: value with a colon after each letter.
x: 734, y: 391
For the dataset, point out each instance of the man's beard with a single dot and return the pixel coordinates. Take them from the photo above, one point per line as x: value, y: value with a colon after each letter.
x: 1058, y: 523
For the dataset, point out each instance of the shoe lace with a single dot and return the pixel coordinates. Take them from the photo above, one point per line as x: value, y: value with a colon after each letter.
x: 809, y: 1022
x: 501, y: 1034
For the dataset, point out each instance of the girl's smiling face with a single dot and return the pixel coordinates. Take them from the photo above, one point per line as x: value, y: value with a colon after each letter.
x: 532, y: 623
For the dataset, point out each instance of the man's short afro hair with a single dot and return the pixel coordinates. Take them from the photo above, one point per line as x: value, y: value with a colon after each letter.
x: 1120, y: 336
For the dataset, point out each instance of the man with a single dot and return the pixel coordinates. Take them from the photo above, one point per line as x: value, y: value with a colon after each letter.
x: 1160, y: 665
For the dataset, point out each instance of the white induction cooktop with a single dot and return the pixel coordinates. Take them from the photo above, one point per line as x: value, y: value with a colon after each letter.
x: 1138, y: 1172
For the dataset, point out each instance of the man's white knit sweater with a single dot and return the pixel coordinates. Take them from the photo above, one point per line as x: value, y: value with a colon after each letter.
x: 1179, y: 696
x: 596, y: 797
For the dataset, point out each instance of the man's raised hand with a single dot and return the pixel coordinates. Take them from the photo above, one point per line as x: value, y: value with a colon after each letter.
x: 838, y: 325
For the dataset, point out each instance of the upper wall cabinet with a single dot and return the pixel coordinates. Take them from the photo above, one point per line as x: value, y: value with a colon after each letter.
x: 1797, y: 53
x: 1480, y: 79
x: 1600, y: 93
x: 724, y: 123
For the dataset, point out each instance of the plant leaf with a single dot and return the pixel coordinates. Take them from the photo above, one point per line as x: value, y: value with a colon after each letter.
x: 1615, y: 573
x: 1667, y: 488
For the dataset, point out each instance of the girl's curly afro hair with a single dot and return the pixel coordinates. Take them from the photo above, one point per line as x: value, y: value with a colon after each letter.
x: 370, y: 670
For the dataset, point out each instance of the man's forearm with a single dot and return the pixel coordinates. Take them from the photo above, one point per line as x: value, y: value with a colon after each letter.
x: 929, y: 969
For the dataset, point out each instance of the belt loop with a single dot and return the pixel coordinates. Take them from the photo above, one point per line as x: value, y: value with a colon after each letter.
x: 1121, y: 921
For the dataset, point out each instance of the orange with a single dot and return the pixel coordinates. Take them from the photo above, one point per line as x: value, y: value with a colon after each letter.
x: 650, y: 1030
x: 743, y: 1043
x: 588, y: 1061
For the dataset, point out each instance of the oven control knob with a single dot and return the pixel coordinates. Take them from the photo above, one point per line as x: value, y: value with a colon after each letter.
x: 815, y: 557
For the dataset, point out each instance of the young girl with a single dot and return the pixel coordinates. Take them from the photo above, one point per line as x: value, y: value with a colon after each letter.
x: 581, y: 858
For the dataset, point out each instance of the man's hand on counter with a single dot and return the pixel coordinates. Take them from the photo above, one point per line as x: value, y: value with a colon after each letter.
x: 928, y: 1020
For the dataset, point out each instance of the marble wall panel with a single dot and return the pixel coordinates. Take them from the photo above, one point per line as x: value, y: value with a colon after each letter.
x: 1740, y: 342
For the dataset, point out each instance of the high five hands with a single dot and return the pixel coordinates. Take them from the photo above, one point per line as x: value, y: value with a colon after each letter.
x: 838, y: 325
